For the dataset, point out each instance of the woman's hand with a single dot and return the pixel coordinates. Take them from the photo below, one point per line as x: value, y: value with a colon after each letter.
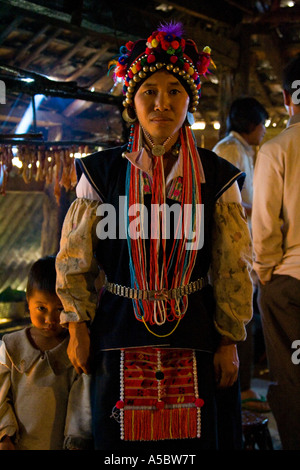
x: 79, y: 347
x: 226, y: 364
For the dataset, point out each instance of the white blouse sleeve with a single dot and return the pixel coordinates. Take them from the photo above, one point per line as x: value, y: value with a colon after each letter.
x: 85, y: 190
x: 76, y: 264
x: 232, y: 258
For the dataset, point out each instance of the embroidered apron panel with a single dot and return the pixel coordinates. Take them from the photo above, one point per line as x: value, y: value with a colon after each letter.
x: 159, y: 395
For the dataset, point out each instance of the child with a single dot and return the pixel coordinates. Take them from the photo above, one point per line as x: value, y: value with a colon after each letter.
x: 44, y: 403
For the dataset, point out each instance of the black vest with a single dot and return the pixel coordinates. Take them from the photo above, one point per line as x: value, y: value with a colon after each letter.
x: 115, y: 325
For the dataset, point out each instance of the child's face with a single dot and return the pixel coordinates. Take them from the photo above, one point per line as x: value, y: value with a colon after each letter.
x: 45, y: 309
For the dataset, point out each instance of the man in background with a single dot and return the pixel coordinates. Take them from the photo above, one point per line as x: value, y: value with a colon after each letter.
x: 276, y: 237
x: 245, y: 130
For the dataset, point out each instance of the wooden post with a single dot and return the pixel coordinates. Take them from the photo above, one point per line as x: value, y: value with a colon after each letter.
x: 225, y: 97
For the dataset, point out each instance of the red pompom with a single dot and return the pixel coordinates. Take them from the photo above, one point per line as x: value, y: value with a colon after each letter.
x: 165, y: 45
x: 130, y: 45
x: 120, y: 70
x: 199, y: 402
x: 120, y: 404
x: 203, y: 63
x: 151, y: 58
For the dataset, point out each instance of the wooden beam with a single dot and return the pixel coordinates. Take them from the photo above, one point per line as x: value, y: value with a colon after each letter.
x: 240, y: 7
x: 80, y: 71
x: 194, y: 13
x: 52, y: 119
x: 64, y: 20
x: 274, y: 18
x: 11, y: 27
x: 30, y: 43
x: 40, y: 49
x: 71, y: 52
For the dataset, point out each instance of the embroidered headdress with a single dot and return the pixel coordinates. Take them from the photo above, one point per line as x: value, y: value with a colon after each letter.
x: 165, y: 48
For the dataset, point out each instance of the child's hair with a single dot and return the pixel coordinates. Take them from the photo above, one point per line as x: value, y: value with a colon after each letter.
x: 42, y: 276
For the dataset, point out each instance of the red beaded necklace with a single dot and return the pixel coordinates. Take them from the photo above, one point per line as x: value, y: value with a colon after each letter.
x: 180, y: 260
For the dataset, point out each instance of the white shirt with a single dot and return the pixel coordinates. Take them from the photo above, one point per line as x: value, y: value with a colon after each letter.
x: 237, y: 151
x: 276, y: 211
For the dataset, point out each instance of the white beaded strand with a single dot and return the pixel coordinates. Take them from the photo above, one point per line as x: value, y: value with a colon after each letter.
x: 196, y: 391
x: 122, y: 394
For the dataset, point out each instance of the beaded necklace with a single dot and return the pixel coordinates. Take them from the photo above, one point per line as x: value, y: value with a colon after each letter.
x: 180, y: 261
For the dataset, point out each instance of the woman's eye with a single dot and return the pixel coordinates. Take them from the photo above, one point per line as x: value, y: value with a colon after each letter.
x: 174, y: 91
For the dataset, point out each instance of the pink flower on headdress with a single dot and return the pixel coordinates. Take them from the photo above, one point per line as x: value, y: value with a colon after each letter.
x: 203, y: 63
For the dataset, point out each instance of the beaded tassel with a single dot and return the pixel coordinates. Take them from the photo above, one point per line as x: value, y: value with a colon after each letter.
x: 181, y: 261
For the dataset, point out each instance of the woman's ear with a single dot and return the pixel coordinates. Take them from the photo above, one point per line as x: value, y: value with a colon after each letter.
x: 286, y: 98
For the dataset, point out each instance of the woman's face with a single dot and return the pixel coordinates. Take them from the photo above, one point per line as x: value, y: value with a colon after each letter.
x: 161, y: 104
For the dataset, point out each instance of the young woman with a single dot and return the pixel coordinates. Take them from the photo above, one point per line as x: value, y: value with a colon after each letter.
x: 156, y: 215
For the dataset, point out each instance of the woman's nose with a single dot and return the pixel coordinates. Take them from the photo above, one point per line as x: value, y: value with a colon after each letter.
x: 161, y: 102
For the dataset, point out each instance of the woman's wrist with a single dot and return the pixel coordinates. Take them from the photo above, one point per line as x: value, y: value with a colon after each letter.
x: 225, y: 341
x: 76, y: 326
x: 5, y: 438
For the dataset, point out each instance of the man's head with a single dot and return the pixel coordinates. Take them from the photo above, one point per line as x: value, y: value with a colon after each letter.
x: 247, y: 117
x: 291, y: 86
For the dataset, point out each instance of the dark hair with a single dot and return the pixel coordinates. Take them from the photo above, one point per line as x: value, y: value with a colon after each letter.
x: 42, y: 276
x: 245, y: 114
x: 291, y: 73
